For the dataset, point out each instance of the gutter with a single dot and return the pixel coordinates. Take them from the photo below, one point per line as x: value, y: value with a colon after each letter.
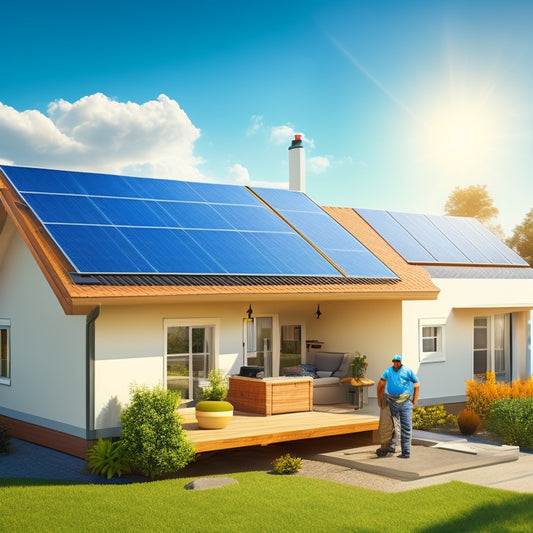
x: 90, y: 433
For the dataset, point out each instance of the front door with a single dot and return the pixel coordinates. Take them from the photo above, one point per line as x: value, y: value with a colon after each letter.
x: 189, y: 356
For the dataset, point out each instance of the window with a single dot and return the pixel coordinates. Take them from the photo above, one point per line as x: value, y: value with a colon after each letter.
x: 492, y: 346
x: 189, y: 355
x: 431, y: 333
x: 5, y: 362
x: 291, y: 346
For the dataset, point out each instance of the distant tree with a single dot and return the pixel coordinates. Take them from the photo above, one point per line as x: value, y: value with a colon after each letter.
x: 473, y: 201
x: 521, y: 241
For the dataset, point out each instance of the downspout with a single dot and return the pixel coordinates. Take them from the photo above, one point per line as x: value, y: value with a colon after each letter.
x: 89, y: 372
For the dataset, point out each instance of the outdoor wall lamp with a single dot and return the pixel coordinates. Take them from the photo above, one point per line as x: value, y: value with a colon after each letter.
x: 318, y: 312
x: 249, y: 312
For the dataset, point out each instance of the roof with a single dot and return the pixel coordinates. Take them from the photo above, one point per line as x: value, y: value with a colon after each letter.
x: 383, y: 273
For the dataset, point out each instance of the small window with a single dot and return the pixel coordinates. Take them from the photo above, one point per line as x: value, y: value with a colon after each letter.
x: 5, y: 362
x: 431, y: 333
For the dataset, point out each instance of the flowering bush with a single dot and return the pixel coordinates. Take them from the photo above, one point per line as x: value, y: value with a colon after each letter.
x: 431, y: 417
x: 481, y: 395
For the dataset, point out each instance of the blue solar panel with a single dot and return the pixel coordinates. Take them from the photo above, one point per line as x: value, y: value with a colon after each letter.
x: 115, y: 224
x: 430, y: 237
x: 493, y: 248
x: 396, y: 235
x: 325, y: 233
x: 469, y: 248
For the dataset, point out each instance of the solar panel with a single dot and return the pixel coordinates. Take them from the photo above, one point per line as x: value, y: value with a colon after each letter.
x: 325, y: 233
x: 116, y: 224
x: 396, y: 235
x: 430, y: 237
x: 435, y: 239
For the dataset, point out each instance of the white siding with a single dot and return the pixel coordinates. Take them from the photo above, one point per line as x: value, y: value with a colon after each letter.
x: 459, y: 302
x: 47, y: 347
x: 130, y: 340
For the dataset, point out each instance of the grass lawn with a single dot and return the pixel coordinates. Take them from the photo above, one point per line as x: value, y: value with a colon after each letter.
x: 259, y: 502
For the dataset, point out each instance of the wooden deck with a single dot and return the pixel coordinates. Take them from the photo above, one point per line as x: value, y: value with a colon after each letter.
x: 251, y: 430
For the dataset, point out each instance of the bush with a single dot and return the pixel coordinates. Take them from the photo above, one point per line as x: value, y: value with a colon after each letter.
x: 511, y: 419
x: 431, y: 417
x: 106, y: 458
x: 218, y: 386
x: 5, y: 442
x: 468, y: 422
x: 286, y: 464
x: 154, y: 440
x: 481, y: 395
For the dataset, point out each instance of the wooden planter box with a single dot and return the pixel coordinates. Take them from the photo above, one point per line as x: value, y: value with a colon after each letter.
x: 270, y: 396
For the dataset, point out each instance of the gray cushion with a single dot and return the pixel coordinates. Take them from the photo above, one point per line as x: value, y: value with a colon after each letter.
x: 342, y: 371
x: 328, y: 361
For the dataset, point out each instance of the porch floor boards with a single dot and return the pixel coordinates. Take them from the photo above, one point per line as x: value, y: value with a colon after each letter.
x: 247, y: 429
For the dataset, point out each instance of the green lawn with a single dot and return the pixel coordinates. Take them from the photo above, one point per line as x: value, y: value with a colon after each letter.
x: 260, y: 502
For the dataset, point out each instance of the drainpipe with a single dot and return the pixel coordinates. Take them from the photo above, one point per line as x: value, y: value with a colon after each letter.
x: 89, y: 372
x: 297, y: 165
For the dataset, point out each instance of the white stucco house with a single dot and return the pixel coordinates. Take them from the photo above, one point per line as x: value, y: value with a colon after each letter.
x: 108, y: 281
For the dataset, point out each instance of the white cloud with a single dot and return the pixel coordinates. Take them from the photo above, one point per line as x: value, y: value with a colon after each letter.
x: 239, y: 175
x: 285, y: 134
x: 99, y: 134
x: 256, y: 123
x: 281, y: 134
x: 318, y: 164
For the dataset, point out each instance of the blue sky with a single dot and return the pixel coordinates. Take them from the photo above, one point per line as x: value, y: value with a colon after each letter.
x: 398, y: 102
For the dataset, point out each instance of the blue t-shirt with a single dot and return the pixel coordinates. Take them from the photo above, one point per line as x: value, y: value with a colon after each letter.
x: 400, y: 382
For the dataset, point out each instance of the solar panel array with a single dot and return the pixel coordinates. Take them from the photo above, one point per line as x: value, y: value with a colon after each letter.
x: 325, y: 233
x: 123, y: 225
x: 434, y: 239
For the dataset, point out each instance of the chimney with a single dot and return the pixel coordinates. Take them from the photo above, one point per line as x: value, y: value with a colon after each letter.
x: 297, y: 165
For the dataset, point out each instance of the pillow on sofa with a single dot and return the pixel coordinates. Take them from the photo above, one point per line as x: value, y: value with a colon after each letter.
x: 328, y: 361
x: 323, y: 373
x: 308, y: 370
x: 344, y: 367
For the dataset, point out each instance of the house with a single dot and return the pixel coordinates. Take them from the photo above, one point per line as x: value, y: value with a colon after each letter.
x: 107, y: 281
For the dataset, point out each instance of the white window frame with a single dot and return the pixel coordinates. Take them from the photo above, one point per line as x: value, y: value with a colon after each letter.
x: 439, y: 355
x: 5, y: 325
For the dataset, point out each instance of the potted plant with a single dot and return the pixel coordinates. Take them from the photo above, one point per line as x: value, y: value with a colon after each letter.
x: 213, y: 412
x: 358, y: 366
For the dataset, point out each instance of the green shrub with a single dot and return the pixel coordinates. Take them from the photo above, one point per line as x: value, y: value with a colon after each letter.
x: 218, y: 386
x: 154, y: 440
x: 106, y: 458
x: 511, y: 419
x: 431, y: 417
x: 286, y: 464
x: 5, y: 442
x: 480, y: 395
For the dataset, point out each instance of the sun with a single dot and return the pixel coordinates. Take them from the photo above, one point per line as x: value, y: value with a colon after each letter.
x: 460, y: 135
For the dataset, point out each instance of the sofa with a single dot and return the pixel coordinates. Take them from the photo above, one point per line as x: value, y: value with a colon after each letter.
x: 327, y: 369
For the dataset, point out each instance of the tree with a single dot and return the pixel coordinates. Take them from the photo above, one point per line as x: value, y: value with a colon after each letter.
x: 473, y: 201
x: 521, y: 241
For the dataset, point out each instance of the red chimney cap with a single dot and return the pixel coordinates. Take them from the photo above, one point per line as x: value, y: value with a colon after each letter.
x: 298, y: 137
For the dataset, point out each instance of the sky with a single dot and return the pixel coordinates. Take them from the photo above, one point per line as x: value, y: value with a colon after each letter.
x: 398, y: 102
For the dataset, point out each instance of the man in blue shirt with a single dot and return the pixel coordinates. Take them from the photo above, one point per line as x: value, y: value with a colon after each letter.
x: 401, y: 384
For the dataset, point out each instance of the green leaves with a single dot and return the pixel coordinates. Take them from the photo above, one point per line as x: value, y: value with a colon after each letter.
x: 153, y: 437
x: 106, y: 458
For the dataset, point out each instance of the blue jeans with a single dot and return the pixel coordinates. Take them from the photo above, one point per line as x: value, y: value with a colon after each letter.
x: 402, y: 416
